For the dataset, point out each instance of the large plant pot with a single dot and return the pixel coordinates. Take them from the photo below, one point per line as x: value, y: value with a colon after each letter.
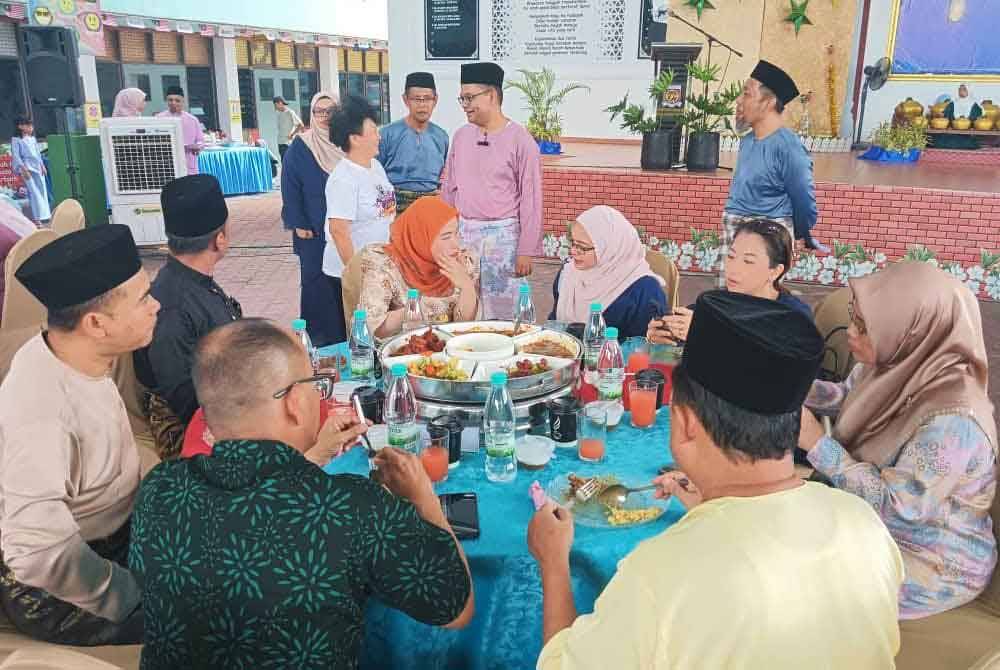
x: 702, y: 152
x: 658, y: 150
x: 549, y: 148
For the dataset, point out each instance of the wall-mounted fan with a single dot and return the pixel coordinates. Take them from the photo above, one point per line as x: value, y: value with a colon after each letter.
x: 875, y: 77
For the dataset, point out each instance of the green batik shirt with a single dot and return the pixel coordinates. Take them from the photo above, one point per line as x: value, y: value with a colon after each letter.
x: 253, y: 557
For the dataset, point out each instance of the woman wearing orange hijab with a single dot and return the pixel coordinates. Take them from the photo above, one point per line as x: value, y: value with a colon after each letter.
x: 423, y: 253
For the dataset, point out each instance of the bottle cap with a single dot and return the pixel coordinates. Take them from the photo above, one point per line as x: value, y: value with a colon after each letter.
x: 412, y: 294
x: 498, y: 378
x: 398, y: 370
x: 611, y: 333
x: 596, y: 307
x: 360, y: 315
x: 299, y: 324
x: 525, y: 289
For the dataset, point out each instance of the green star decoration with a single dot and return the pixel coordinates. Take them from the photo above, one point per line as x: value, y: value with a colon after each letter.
x: 699, y: 6
x: 798, y: 15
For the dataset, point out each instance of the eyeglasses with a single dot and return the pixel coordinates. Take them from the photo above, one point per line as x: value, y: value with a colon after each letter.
x: 580, y: 248
x: 322, y: 112
x: 856, y: 319
x: 424, y: 101
x: 466, y: 100
x: 323, y: 382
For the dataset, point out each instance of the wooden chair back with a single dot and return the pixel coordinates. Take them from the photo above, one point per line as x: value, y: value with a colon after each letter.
x: 20, y: 308
x: 665, y: 268
x: 68, y: 217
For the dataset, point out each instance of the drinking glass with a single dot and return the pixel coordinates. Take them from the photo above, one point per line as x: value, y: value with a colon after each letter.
x: 434, y: 457
x: 592, y: 432
x: 643, y: 395
x: 636, y: 350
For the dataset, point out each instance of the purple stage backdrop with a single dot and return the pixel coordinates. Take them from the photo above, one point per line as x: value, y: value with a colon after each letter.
x: 929, y: 42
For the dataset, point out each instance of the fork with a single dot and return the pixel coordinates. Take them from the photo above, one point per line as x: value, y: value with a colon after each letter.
x: 584, y: 493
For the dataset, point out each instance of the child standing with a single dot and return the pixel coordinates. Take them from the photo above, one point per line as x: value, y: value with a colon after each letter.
x: 27, y: 161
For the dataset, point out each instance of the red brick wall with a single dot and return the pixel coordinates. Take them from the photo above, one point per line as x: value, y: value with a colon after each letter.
x: 890, y: 219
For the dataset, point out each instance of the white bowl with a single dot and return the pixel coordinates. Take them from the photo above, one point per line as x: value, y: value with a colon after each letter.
x: 480, y: 347
x: 534, y: 451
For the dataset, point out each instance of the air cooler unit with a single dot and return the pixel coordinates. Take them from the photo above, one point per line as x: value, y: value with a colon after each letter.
x: 141, y: 154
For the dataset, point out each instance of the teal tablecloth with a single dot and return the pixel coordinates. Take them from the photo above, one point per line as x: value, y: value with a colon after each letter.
x: 239, y: 169
x: 507, y: 629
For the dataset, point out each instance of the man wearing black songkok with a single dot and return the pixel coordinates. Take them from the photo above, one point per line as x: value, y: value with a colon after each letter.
x: 764, y: 570
x: 69, y: 467
x: 773, y: 178
x: 413, y: 149
x: 195, y: 214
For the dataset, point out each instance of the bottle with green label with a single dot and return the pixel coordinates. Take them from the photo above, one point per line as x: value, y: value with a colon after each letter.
x: 610, y: 367
x: 499, y: 428
x: 362, y: 350
x: 401, y: 412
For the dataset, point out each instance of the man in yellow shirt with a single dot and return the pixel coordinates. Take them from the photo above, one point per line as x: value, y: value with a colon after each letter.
x: 764, y: 571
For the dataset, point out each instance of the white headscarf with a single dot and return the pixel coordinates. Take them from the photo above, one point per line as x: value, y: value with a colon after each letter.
x: 963, y: 106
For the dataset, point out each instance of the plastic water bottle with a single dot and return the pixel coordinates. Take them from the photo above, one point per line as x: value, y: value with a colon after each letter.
x: 499, y: 431
x: 610, y: 367
x: 299, y: 326
x: 413, y: 314
x: 593, y: 337
x: 400, y: 412
x: 362, y: 351
x: 525, y: 308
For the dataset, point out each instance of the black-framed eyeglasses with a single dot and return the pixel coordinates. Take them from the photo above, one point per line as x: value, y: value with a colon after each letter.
x: 424, y: 100
x: 580, y: 248
x: 324, y: 384
x: 466, y: 100
x: 856, y: 319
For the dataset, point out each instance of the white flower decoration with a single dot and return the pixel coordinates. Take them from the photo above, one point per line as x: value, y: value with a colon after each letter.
x: 687, y: 249
x: 934, y: 262
x: 826, y: 277
x: 684, y: 262
x: 956, y: 270
x: 550, y: 246
x: 993, y: 285
x: 671, y: 250
x: 880, y: 258
x: 976, y: 273
x: 654, y: 242
x: 973, y: 286
x: 830, y: 263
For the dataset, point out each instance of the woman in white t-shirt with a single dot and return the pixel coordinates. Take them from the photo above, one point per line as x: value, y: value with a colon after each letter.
x: 360, y: 201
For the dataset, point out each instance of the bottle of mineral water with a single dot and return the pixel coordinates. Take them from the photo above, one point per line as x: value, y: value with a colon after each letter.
x: 299, y: 327
x: 413, y: 314
x: 499, y: 430
x: 525, y: 309
x: 610, y: 367
x: 400, y: 412
x: 593, y: 337
x: 362, y: 351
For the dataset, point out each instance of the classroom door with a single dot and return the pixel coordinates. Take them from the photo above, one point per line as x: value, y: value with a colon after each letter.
x: 270, y: 84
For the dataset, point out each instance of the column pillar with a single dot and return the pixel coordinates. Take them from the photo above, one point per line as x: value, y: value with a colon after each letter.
x: 227, y: 87
x: 329, y: 74
x: 91, y: 94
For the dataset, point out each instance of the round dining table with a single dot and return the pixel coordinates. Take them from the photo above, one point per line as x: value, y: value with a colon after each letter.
x: 506, y: 631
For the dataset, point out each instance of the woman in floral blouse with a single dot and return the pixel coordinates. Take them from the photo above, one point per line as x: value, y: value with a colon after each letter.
x: 915, y: 435
x: 423, y: 253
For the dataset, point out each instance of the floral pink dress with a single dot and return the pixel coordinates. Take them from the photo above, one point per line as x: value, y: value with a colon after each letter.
x: 383, y: 290
x: 934, y: 498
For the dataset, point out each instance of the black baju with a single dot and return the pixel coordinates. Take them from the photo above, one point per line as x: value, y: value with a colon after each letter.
x: 191, y: 304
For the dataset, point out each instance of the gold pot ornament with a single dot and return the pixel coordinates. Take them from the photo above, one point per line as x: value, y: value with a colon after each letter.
x: 961, y: 123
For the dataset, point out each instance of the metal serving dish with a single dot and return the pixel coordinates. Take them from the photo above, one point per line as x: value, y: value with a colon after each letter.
x: 475, y: 390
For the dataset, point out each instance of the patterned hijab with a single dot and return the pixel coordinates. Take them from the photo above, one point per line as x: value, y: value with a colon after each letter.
x: 621, y: 261
x: 930, y: 360
x: 128, y: 102
x: 410, y: 241
x: 323, y: 150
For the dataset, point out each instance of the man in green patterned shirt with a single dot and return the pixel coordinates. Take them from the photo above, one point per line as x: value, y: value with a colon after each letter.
x: 253, y: 557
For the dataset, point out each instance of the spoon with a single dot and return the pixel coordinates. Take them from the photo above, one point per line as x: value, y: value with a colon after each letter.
x: 616, y: 494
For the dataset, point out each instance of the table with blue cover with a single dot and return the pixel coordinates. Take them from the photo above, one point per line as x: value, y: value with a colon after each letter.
x: 239, y: 170
x: 506, y: 632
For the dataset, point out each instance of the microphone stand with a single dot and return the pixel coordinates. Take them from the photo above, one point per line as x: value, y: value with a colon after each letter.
x: 712, y: 39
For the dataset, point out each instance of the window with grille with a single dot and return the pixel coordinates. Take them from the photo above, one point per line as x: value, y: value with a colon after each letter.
x: 144, y: 163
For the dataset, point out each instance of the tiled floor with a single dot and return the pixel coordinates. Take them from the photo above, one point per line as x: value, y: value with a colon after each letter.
x: 263, y: 274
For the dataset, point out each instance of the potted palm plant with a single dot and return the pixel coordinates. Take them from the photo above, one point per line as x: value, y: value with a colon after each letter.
x: 542, y: 100
x: 657, y: 142
x: 706, y: 114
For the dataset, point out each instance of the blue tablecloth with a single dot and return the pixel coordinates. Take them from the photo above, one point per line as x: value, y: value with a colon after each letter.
x: 507, y: 629
x: 238, y: 169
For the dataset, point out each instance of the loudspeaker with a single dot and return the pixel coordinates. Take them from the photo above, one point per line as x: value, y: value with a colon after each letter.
x: 51, y: 64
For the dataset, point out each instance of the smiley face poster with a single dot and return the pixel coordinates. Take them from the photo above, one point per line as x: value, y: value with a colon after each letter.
x: 82, y: 15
